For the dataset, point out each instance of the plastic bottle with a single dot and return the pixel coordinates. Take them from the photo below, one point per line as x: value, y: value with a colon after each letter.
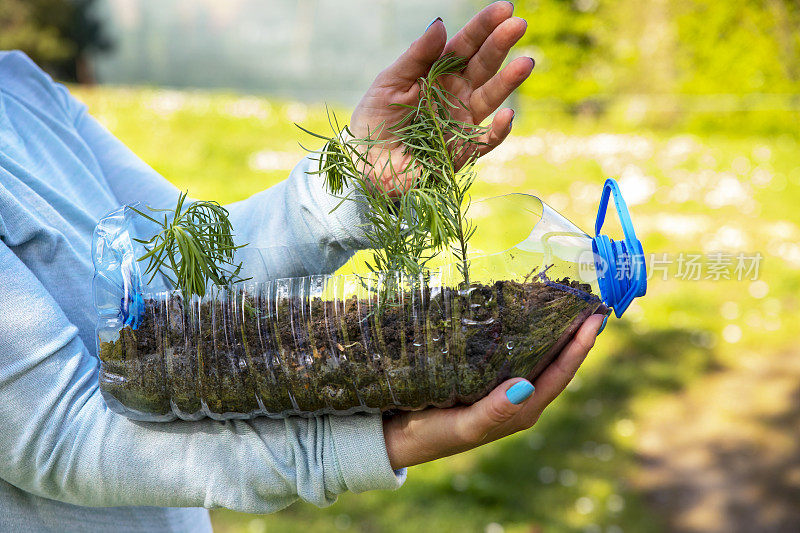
x: 344, y: 343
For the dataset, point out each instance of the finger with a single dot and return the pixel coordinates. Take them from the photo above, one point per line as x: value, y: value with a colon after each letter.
x: 479, y: 423
x: 496, y: 134
x: 485, y: 63
x: 561, y: 371
x: 498, y: 131
x: 488, y: 97
x: 417, y: 60
x: 471, y: 37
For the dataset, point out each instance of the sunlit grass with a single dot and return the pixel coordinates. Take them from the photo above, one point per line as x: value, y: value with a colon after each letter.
x: 693, y: 191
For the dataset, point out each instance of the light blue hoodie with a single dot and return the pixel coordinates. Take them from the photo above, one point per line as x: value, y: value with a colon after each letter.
x: 68, y: 463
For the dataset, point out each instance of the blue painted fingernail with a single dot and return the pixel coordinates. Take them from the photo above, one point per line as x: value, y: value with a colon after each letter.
x: 511, y: 122
x: 519, y: 392
x: 603, y: 325
x: 433, y: 22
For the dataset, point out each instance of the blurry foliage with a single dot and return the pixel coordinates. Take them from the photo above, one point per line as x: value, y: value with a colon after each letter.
x: 591, y: 49
x: 564, y: 40
x: 56, y: 34
x: 738, y: 46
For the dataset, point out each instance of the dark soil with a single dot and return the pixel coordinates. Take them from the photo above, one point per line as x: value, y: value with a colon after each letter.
x: 245, y: 353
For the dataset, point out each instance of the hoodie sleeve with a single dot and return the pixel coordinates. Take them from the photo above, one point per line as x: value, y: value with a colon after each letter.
x: 60, y: 440
x: 293, y: 223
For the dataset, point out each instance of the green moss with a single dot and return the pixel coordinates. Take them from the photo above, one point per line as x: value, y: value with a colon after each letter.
x: 238, y: 352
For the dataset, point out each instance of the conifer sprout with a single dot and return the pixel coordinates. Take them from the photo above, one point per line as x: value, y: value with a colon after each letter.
x: 193, y: 248
x: 409, y: 226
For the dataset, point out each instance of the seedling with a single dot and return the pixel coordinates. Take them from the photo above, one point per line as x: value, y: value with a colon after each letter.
x: 193, y: 248
x: 425, y: 212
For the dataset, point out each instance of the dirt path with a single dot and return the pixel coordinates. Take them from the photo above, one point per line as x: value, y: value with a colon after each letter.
x: 725, y: 455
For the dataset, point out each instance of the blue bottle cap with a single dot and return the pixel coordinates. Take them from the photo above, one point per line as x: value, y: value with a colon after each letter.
x: 620, y: 265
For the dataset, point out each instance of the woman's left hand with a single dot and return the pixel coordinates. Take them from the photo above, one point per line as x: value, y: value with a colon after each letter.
x: 420, y: 436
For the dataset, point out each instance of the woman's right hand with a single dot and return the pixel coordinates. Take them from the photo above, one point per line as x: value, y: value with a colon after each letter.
x: 420, y: 436
x: 484, y: 42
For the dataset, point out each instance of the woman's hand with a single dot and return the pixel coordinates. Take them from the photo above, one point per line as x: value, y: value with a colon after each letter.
x: 484, y: 41
x: 421, y: 436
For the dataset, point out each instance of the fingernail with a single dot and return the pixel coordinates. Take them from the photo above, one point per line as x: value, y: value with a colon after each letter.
x: 511, y: 122
x: 433, y: 22
x: 603, y: 325
x: 533, y: 62
x: 519, y: 392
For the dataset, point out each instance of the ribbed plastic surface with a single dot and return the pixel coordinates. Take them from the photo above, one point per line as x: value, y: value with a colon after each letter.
x: 324, y: 344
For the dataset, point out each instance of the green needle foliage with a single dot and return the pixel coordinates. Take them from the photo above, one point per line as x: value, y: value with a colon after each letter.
x: 194, y: 247
x: 425, y: 213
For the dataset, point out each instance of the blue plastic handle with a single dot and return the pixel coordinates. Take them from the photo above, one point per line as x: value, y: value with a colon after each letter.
x: 611, y: 187
x: 618, y: 292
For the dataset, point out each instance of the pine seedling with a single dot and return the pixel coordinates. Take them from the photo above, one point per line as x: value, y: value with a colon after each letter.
x: 445, y: 151
x: 409, y: 226
x: 194, y: 247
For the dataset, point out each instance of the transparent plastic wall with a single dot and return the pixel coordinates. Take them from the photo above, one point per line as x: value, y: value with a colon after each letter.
x: 345, y: 342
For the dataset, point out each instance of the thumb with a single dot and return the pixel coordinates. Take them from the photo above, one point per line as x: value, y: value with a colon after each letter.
x: 496, y: 409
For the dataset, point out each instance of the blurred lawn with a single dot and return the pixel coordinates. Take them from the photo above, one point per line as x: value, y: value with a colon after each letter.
x: 701, y: 189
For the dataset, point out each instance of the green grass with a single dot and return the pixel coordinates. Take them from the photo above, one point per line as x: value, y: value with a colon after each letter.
x: 697, y: 191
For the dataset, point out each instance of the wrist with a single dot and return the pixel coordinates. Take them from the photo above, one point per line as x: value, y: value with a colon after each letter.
x: 417, y: 437
x: 395, y: 436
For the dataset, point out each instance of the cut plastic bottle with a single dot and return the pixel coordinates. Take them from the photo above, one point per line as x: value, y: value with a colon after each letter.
x: 345, y: 343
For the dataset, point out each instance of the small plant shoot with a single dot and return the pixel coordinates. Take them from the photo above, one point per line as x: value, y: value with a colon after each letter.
x: 193, y: 248
x: 423, y: 209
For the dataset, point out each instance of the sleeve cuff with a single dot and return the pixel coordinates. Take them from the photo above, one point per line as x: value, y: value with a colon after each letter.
x: 360, y: 454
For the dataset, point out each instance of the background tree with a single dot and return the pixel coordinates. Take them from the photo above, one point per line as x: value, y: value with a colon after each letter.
x: 596, y: 50
x: 56, y: 34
